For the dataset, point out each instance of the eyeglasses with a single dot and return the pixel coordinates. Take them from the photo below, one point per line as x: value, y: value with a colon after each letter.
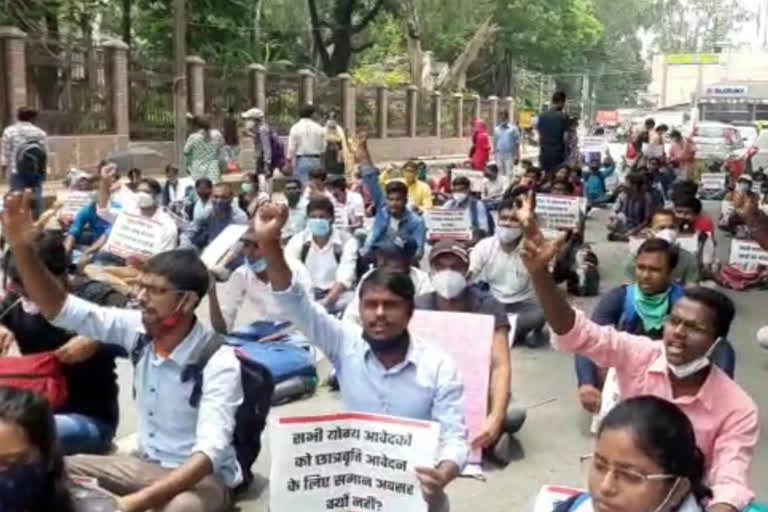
x: 154, y: 290
x: 623, y: 476
x: 676, y: 321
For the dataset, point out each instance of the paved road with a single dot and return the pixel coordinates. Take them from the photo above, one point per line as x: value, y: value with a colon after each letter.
x: 556, y: 433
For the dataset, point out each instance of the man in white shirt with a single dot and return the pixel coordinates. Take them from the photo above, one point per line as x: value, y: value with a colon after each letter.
x: 350, y: 204
x: 297, y: 209
x: 25, y: 138
x: 329, y: 254
x: 495, y: 261
x: 306, y: 144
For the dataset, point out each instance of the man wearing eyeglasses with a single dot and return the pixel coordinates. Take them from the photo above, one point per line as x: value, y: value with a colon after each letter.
x: 185, y: 460
x: 678, y: 369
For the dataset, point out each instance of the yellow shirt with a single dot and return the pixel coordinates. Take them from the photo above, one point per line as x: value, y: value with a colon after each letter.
x: 420, y: 194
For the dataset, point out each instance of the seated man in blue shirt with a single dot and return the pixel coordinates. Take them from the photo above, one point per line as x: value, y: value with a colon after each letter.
x: 474, y: 208
x: 88, y: 231
x: 382, y: 369
x: 185, y: 459
x: 204, y: 229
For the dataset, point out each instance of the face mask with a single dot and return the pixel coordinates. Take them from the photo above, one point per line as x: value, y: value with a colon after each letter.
x: 29, y: 307
x: 258, y: 266
x: 692, y: 367
x: 319, y: 227
x: 508, y: 235
x: 448, y: 283
x: 222, y: 206
x: 145, y: 200
x: 247, y: 188
x: 21, y: 485
x: 668, y: 234
x: 388, y: 346
x: 459, y: 196
x: 742, y: 188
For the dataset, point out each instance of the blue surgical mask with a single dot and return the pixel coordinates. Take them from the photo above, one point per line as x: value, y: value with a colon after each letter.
x: 319, y: 227
x: 21, y: 485
x: 258, y: 266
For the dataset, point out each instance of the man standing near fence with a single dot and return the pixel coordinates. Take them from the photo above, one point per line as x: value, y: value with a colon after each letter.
x: 258, y: 129
x: 306, y: 144
x: 506, y: 146
x: 24, y: 155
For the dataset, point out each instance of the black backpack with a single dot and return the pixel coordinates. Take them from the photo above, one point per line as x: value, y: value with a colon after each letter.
x: 251, y: 416
x: 31, y: 161
x: 338, y: 250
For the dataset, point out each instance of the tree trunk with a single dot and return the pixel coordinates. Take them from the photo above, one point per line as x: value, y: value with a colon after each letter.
x: 126, y: 21
x: 456, y: 76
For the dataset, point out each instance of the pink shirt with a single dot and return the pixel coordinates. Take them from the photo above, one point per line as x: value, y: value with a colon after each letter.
x: 723, y: 415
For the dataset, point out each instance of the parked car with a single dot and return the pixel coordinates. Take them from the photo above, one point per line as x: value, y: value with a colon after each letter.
x: 716, y: 141
x: 748, y: 133
x: 760, y: 160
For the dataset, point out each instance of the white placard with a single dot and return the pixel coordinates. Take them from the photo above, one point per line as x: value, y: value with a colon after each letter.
x: 351, y: 462
x: 653, y: 150
x: 451, y: 224
x: 712, y: 181
x: 592, y: 144
x: 222, y: 243
x: 745, y: 252
x: 475, y: 178
x: 556, y: 212
x: 134, y: 236
x: 72, y: 201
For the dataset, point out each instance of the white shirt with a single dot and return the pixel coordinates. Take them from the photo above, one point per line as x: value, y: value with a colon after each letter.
x: 321, y: 262
x: 504, y: 272
x: 421, y: 283
x: 352, y: 211
x: 493, y: 188
x: 306, y: 138
x: 246, y: 292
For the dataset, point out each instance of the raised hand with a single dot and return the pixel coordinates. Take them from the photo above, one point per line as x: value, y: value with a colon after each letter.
x: 19, y: 226
x: 269, y: 221
x: 537, y: 252
x: 109, y: 173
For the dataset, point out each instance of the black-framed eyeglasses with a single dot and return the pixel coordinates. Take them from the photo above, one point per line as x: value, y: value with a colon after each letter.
x: 624, y: 476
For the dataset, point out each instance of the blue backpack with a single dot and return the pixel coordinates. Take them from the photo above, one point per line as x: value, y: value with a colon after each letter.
x: 629, y: 316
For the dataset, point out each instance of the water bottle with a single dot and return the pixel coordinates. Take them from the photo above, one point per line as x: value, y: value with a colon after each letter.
x: 293, y: 388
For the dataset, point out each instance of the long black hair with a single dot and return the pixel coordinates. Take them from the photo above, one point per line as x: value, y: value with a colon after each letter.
x: 32, y: 413
x: 665, y: 434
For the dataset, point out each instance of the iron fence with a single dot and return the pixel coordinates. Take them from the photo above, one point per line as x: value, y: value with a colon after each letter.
x: 282, y: 90
x: 151, y: 100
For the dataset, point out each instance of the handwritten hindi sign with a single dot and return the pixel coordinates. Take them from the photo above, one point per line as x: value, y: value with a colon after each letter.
x: 592, y: 144
x: 653, y: 150
x: 745, y: 252
x: 452, y: 224
x: 475, y: 178
x: 134, y: 236
x: 556, y: 212
x: 351, y: 462
x: 712, y: 181
x: 467, y: 337
x: 72, y: 201
x: 222, y: 243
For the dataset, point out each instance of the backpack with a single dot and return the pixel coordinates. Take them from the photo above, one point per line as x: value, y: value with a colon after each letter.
x: 31, y: 162
x: 251, y: 416
x: 337, y: 251
x: 278, y: 152
x: 40, y: 373
x: 474, y: 212
x: 629, y: 315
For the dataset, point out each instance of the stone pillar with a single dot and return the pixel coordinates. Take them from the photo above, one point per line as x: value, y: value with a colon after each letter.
x: 306, y: 87
x: 477, y: 107
x: 509, y: 105
x: 116, y: 62
x: 196, y: 81
x: 348, y: 103
x: 411, y: 110
x: 436, y: 113
x: 382, y: 109
x: 493, y: 102
x: 458, y: 125
x: 257, y: 78
x: 14, y: 74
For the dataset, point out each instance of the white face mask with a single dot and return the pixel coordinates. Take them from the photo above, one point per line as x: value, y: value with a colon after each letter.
x: 692, y: 367
x: 448, y: 283
x: 145, y: 200
x: 29, y: 307
x: 668, y: 234
x: 508, y: 235
x: 459, y: 196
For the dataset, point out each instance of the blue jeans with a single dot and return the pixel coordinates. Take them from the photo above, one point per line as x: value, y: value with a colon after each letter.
x: 78, y: 433
x: 305, y: 164
x: 16, y: 183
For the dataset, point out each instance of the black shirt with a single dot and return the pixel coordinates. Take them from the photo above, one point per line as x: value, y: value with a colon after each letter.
x: 479, y: 302
x: 552, y: 126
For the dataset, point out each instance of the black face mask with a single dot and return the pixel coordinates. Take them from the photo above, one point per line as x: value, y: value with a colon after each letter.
x: 390, y: 345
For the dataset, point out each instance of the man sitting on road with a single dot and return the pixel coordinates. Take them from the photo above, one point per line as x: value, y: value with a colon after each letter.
x: 204, y: 230
x: 199, y: 205
x: 496, y: 262
x: 185, y: 459
x: 450, y: 263
x: 329, y: 254
x: 349, y: 202
x: 382, y: 369
x: 678, y: 369
x: 474, y: 209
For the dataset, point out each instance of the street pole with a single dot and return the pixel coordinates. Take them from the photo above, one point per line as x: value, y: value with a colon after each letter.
x: 180, y: 81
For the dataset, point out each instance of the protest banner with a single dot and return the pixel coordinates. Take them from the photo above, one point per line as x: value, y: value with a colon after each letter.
x: 467, y: 337
x: 592, y: 144
x: 448, y: 224
x: 653, y: 150
x: 745, y: 252
x: 556, y: 212
x: 712, y: 181
x: 134, y: 236
x: 475, y: 178
x: 72, y: 201
x: 222, y: 243
x: 352, y: 462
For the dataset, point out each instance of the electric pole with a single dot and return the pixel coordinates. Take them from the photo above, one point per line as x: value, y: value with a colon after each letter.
x: 180, y: 81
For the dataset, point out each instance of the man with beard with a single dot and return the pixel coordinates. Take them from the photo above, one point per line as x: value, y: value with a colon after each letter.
x: 382, y: 369
x: 185, y: 459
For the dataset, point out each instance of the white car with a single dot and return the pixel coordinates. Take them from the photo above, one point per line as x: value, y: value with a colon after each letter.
x: 716, y: 141
x: 760, y: 160
x: 748, y: 134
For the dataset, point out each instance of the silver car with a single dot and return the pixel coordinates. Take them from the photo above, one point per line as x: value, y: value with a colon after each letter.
x: 760, y: 160
x: 716, y: 141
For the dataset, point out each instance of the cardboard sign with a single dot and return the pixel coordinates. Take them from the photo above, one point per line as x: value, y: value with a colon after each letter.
x: 72, y: 201
x: 448, y: 224
x: 653, y: 150
x: 712, y: 181
x: 475, y: 178
x: 468, y: 338
x: 592, y: 144
x: 556, y: 212
x: 134, y: 236
x: 351, y: 462
x: 222, y: 243
x: 744, y: 252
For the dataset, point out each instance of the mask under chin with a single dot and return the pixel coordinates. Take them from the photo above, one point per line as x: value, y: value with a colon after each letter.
x: 388, y: 345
